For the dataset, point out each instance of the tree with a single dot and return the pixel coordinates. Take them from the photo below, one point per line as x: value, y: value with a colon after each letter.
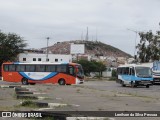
x: 10, y: 46
x: 100, y: 67
x: 149, y: 47
x: 92, y: 66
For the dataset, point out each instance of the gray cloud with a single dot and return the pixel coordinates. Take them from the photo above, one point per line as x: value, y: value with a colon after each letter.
x: 68, y: 19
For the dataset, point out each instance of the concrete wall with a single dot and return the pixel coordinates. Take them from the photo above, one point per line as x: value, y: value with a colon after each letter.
x: 42, y: 57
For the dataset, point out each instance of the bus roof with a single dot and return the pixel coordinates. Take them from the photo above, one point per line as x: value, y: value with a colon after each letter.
x: 132, y: 65
x: 42, y: 63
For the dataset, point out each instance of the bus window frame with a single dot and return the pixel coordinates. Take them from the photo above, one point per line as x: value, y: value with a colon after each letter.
x: 30, y: 70
x: 61, y: 69
x: 74, y: 72
x: 7, y: 68
x: 38, y: 66
x: 46, y: 69
x: 20, y: 70
x: 10, y: 69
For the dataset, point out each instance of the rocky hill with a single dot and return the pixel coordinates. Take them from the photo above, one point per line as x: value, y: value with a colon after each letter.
x: 91, y: 47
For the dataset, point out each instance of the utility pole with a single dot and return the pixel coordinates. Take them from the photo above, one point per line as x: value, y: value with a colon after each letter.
x: 87, y: 35
x: 47, y: 49
x: 96, y: 35
x: 134, y: 40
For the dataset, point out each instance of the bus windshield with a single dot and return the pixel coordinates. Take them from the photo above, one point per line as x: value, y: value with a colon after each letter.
x: 80, y: 72
x: 143, y: 72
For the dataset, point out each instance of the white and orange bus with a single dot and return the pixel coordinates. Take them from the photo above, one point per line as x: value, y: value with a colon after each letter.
x: 32, y: 73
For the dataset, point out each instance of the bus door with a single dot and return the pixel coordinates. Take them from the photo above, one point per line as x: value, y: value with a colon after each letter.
x: 132, y: 73
x: 126, y: 76
x: 72, y: 74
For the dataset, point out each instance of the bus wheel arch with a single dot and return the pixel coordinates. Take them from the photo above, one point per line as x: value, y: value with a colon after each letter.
x: 132, y: 84
x: 122, y: 83
x: 61, y: 81
x: 24, y: 81
x: 147, y: 86
x: 32, y: 83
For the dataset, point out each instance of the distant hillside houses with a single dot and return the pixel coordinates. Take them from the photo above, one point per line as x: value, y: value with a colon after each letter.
x: 61, y: 52
x: 35, y: 55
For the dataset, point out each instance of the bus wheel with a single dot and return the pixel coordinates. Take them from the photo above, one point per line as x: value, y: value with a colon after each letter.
x: 133, y: 85
x: 24, y: 81
x: 61, y: 82
x: 147, y: 86
x: 122, y: 83
x: 32, y: 83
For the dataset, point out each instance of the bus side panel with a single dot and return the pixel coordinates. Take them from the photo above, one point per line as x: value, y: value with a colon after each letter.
x: 68, y: 79
x: 125, y: 78
x: 12, y: 76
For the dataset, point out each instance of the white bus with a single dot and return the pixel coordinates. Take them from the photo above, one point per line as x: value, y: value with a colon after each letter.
x: 134, y: 75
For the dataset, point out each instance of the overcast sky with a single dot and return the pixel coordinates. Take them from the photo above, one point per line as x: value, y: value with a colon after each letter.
x: 64, y: 20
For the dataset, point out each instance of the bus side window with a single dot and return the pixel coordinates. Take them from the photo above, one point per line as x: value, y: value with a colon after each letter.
x: 12, y: 67
x: 127, y: 71
x: 123, y: 71
x: 40, y: 68
x: 61, y: 68
x: 50, y: 68
x: 30, y: 68
x: 118, y: 71
x: 6, y: 68
x: 71, y: 70
x: 20, y: 68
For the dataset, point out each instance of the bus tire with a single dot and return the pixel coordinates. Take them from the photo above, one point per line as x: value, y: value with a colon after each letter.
x: 68, y: 84
x: 61, y: 82
x: 147, y: 86
x: 32, y: 83
x: 24, y: 81
x: 133, y: 85
x: 122, y: 83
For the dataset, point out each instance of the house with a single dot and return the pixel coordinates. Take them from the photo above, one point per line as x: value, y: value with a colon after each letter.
x: 40, y: 57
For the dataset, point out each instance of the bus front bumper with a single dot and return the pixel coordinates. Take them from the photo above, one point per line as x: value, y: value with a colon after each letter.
x: 156, y: 80
x: 144, y: 82
x: 79, y: 81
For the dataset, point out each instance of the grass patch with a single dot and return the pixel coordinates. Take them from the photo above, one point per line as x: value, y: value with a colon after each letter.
x: 78, y: 90
x: 29, y: 103
x: 15, y: 95
x: 44, y: 118
x: 147, y: 101
x: 6, y: 108
x: 112, y: 79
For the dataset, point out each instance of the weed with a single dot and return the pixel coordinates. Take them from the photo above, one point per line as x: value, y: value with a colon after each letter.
x: 115, y: 95
x: 112, y: 79
x: 105, y: 119
x: 78, y: 90
x: 29, y: 103
x: 99, y: 109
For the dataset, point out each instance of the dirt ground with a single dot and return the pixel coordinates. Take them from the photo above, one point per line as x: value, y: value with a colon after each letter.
x: 93, y: 95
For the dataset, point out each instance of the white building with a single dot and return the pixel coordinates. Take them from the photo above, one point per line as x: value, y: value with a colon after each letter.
x: 36, y: 57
